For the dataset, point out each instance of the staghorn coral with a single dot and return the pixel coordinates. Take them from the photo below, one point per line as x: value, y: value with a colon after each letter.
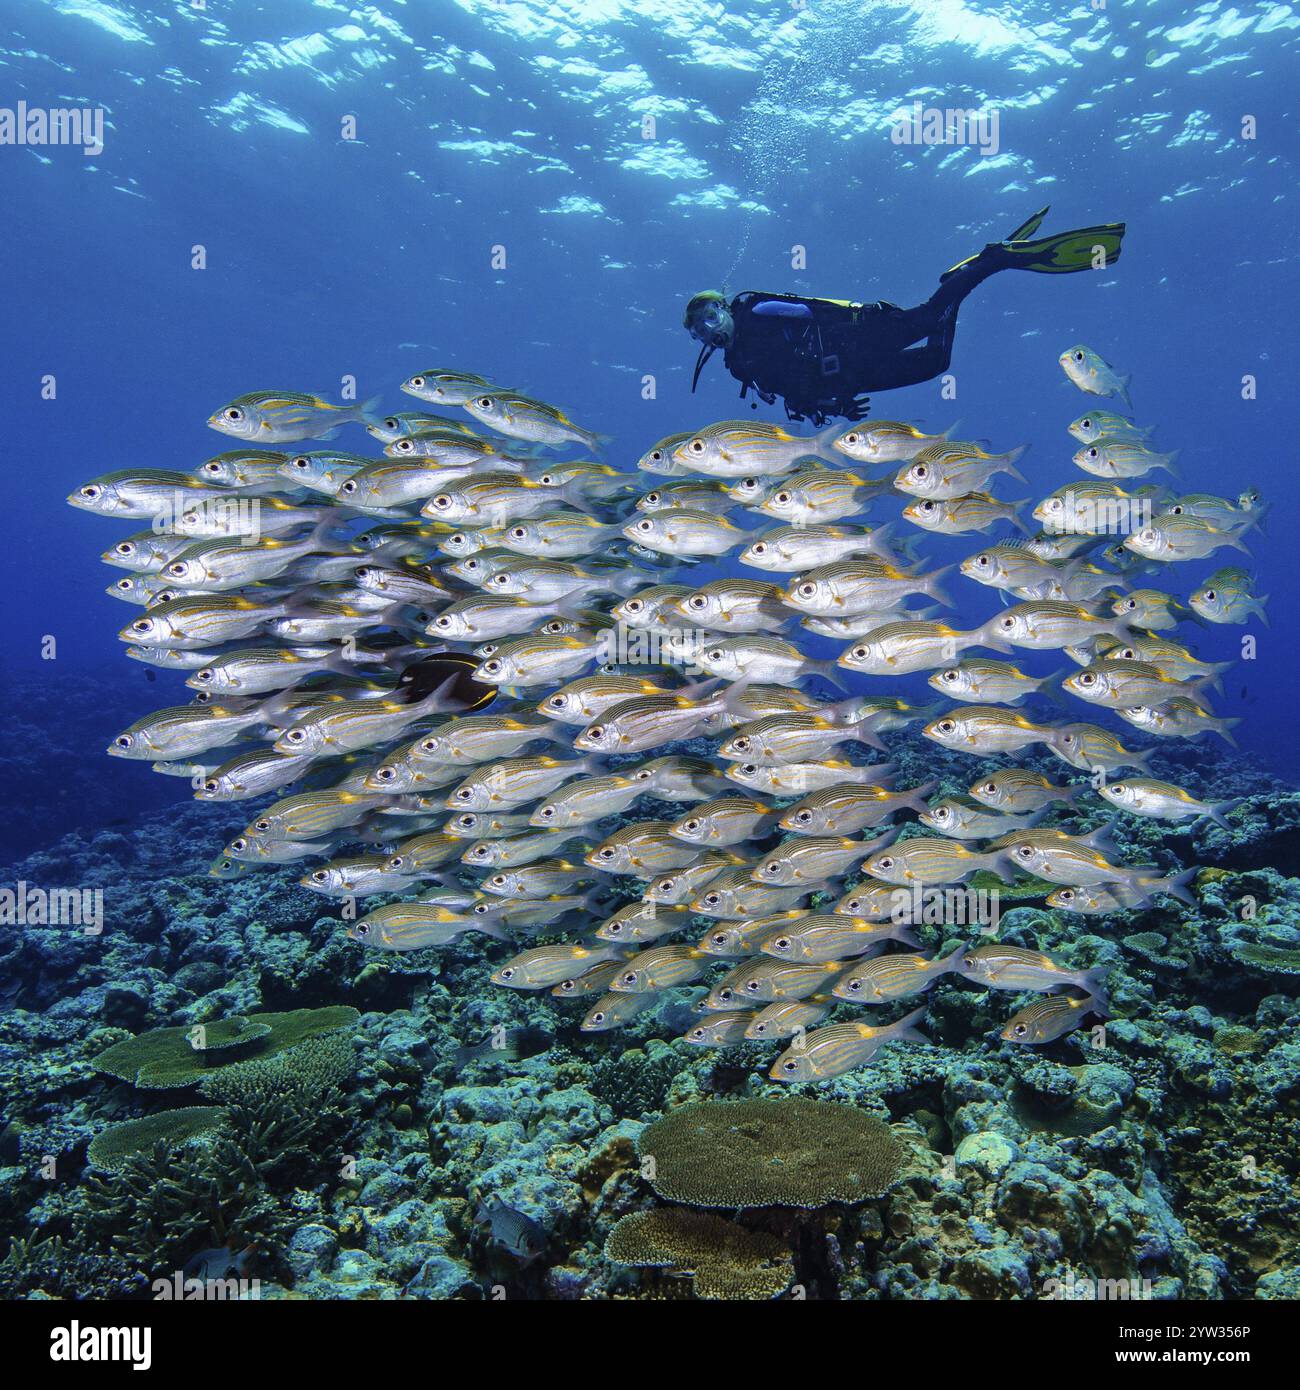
x: 289, y: 1108
x: 111, y: 1147
x: 726, y: 1260
x: 791, y: 1152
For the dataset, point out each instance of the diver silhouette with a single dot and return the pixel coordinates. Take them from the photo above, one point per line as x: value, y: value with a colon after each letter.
x: 824, y: 357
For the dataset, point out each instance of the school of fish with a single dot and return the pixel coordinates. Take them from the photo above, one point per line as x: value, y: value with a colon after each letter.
x: 330, y: 610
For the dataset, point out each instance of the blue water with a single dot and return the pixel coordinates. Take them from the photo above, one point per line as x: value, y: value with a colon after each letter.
x: 521, y: 126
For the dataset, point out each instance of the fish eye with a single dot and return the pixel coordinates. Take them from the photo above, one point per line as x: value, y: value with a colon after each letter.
x: 416, y: 381
x: 598, y: 1016
x: 860, y: 653
x: 1085, y: 423
x: 1078, y: 356
x: 507, y: 972
x: 989, y: 788
x: 804, y: 818
x: 886, y: 863
x: 348, y: 488
x: 212, y: 466
x: 1119, y: 788
x: 295, y: 736
x: 211, y: 785
x: 983, y: 561
x: 749, y: 769
x: 1025, y: 851
x: 782, y: 943
x: 1210, y: 595
x: 759, y: 548
x: 396, y: 862
x: 851, y: 438
x: 597, y: 731
x: 790, y: 1066
x: 1020, y: 1030
x: 463, y: 794
x: 443, y: 623
x: 645, y: 526
x: 518, y: 533
x: 629, y: 977
x: 952, y: 677
x: 320, y: 876
x: 697, y: 601
x: 233, y: 412
x: 140, y: 625
x: 946, y: 726
x: 1087, y: 678
x: 385, y: 774
x: 853, y: 986
x: 498, y: 879
x: 656, y: 455
x: 719, y: 939
x: 263, y: 823
x: 712, y: 900
x: 666, y: 885
x: 782, y: 497
x: 492, y: 667
x: 442, y: 502
x: 741, y: 744
x: 607, y: 853
x: 546, y: 813
x: 807, y: 590
x: 122, y: 741
x: 1007, y: 623
x: 484, y: 402
x: 696, y: 446
x: 942, y: 813
x: 90, y: 491
x: 920, y: 470
x: 406, y: 446
x: 1092, y: 453
x: 125, y: 585
x: 301, y: 462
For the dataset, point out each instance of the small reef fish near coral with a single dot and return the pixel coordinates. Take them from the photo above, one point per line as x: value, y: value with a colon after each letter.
x: 534, y: 697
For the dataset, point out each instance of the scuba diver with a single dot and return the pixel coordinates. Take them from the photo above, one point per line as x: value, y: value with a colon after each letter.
x: 824, y: 356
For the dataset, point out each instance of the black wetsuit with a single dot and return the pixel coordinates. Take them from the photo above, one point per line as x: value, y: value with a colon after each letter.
x: 824, y: 364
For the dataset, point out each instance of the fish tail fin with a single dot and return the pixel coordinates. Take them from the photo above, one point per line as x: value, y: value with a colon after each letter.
x: 1102, y: 839
x: 1122, y: 382
x: 1018, y: 521
x: 1223, y: 727
x: 864, y: 732
x: 1009, y: 461
x: 1176, y: 886
x: 1219, y: 811
x: 597, y: 443
x: 830, y: 672
x: 917, y: 798
x: 932, y: 586
x: 1094, y: 982
x: 907, y: 1028
x: 880, y: 542
x: 951, y: 431
x: 1049, y: 686
x: 1257, y: 607
x: 439, y: 700
x: 574, y: 494
x: 367, y: 413
x: 1167, y: 463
